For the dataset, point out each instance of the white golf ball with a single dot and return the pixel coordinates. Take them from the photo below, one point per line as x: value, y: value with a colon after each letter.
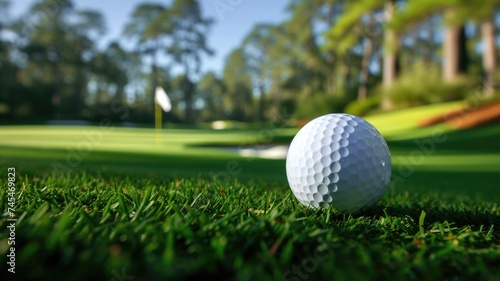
x: 339, y: 160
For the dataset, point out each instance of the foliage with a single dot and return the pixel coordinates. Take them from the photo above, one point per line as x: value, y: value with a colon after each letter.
x: 361, y: 108
x: 343, y: 35
x: 189, y: 34
x: 257, y: 52
x: 423, y: 85
x: 322, y: 46
x: 477, y: 99
x: 417, y: 11
x: 238, y: 98
x: 211, y: 90
x: 309, y: 107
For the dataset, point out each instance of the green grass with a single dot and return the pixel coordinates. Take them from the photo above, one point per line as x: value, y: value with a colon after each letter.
x: 184, y: 211
x: 196, y: 228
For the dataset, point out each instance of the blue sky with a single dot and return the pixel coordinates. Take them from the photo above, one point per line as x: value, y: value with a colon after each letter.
x: 232, y: 24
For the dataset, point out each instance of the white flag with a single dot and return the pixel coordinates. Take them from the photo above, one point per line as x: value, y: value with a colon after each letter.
x: 162, y: 99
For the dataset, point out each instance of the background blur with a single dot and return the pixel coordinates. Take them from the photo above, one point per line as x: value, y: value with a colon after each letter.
x: 247, y: 61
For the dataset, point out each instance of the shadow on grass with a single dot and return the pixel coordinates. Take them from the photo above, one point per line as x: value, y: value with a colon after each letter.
x: 480, y: 139
x: 224, y: 167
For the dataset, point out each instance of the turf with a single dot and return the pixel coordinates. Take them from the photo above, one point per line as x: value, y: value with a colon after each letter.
x: 132, y: 210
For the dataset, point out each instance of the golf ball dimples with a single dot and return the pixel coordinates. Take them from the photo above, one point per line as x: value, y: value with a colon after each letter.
x: 339, y: 160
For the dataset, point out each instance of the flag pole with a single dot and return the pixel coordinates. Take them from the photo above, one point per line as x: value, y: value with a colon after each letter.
x: 158, y: 124
x: 162, y: 103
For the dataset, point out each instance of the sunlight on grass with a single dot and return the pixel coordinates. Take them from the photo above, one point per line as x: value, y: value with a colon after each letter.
x: 393, y: 123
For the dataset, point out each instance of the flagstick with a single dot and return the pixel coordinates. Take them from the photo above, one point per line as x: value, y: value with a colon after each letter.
x: 158, y: 124
x: 162, y: 103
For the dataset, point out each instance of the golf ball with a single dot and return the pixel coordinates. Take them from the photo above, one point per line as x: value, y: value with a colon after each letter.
x: 339, y: 160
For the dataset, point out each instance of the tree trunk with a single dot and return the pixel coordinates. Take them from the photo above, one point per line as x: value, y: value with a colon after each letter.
x: 188, y: 99
x: 463, y: 55
x: 391, y: 46
x: 331, y: 87
x: 450, y: 53
x: 56, y: 68
x: 56, y: 92
x: 79, y: 82
x: 154, y: 85
x: 261, y: 102
x: 489, y: 55
x: 345, y: 76
x: 154, y: 78
x: 119, y: 95
x: 365, y: 69
x: 276, y: 101
x: 245, y: 103
x: 455, y: 59
x: 78, y: 100
x: 332, y: 57
x: 154, y: 81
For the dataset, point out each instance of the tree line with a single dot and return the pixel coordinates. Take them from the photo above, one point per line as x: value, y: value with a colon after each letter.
x: 328, y: 55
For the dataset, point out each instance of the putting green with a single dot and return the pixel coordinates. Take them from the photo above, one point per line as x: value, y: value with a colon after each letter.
x: 184, y: 152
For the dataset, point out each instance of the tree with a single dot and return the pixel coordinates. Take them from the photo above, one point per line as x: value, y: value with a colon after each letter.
x: 484, y: 15
x: 151, y: 29
x: 454, y: 47
x: 421, y: 43
x: 455, y: 60
x: 57, y: 42
x: 211, y: 90
x: 365, y: 68
x: 7, y: 68
x: 88, y: 27
x: 489, y: 54
x: 284, y: 68
x: 238, y: 98
x: 50, y: 33
x: 124, y: 63
x: 309, y: 21
x: 188, y: 44
x: 391, y: 46
x: 257, y: 45
x: 56, y: 47
x: 348, y: 33
x: 4, y: 7
x: 108, y: 69
x: 4, y: 49
x: 179, y: 31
